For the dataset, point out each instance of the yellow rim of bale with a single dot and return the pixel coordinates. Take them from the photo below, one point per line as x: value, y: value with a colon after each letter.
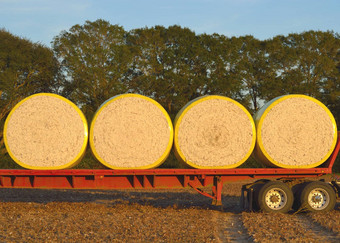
x: 270, y: 106
x: 191, y: 104
x: 153, y: 165
x: 79, y: 156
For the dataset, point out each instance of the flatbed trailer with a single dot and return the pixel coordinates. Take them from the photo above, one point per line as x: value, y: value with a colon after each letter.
x: 276, y: 189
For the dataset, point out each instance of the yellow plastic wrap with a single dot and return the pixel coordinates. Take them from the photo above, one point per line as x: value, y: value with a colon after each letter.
x: 302, y: 133
x: 45, y: 122
x: 134, y: 164
x: 246, y: 118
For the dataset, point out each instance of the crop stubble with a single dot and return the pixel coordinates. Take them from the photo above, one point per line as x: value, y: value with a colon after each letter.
x: 330, y: 220
x: 150, y: 215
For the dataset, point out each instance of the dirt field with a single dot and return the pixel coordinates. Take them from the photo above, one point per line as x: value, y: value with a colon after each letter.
x: 30, y: 215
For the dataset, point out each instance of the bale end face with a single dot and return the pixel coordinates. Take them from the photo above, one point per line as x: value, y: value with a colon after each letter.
x: 46, y: 131
x: 131, y: 131
x: 214, y: 132
x: 294, y: 131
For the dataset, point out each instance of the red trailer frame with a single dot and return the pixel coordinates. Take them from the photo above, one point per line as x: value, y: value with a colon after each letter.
x: 153, y: 178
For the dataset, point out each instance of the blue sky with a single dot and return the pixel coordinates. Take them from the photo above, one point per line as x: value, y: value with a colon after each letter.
x: 41, y: 20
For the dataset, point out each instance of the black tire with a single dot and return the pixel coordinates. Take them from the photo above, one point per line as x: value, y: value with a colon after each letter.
x: 274, y: 197
x: 297, y: 190
x: 317, y: 196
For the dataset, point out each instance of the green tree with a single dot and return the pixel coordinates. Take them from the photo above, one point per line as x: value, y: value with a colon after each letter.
x: 167, y: 65
x: 25, y: 68
x: 219, y: 61
x: 252, y: 69
x: 304, y: 63
x: 147, y: 70
x: 284, y: 62
x: 95, y: 59
x: 330, y: 91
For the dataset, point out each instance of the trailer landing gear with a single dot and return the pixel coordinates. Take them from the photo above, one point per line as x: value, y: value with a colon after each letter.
x: 216, y: 190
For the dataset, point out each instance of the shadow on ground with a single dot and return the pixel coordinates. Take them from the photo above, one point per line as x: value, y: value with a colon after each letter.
x: 161, y: 198
x: 179, y: 198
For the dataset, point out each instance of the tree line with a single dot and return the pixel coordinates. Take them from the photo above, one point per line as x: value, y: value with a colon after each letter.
x: 174, y: 65
x: 92, y: 62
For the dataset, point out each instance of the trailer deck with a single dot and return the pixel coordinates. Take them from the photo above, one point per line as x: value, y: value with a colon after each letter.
x: 153, y: 178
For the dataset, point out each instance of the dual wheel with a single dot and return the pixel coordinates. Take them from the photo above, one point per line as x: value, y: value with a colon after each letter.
x: 276, y: 196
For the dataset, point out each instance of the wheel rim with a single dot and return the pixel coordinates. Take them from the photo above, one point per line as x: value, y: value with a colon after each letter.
x: 276, y: 199
x: 318, y: 199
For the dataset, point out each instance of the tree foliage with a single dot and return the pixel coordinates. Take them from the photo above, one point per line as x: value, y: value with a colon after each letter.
x: 25, y: 68
x: 174, y: 65
x: 94, y: 58
x: 168, y: 65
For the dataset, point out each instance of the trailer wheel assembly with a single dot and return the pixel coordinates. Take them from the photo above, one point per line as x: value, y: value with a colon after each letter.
x: 275, y: 197
x: 316, y: 196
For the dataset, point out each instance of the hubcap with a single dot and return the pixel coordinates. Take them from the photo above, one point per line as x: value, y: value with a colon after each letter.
x: 318, y: 199
x: 276, y: 199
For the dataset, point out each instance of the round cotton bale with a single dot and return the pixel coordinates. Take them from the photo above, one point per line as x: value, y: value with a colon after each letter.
x: 46, y: 131
x: 214, y: 132
x: 294, y: 131
x: 131, y: 131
